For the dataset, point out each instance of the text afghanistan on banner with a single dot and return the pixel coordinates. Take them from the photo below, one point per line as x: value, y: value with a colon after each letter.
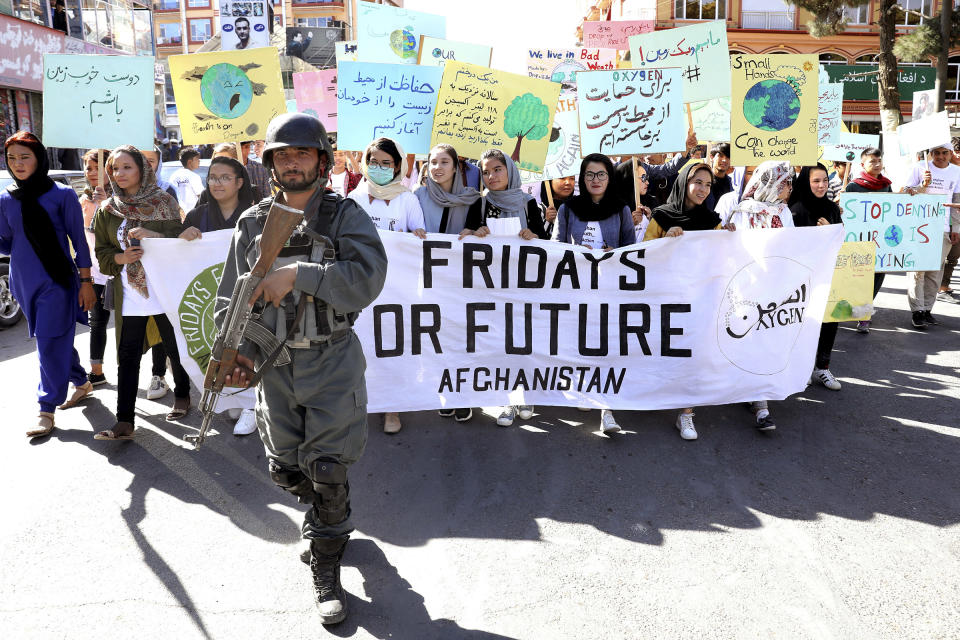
x: 504, y: 321
x: 188, y: 291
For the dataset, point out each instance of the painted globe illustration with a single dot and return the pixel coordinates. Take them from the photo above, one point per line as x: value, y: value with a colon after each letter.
x: 893, y: 235
x: 403, y: 43
x: 225, y: 90
x: 771, y: 105
x: 566, y: 72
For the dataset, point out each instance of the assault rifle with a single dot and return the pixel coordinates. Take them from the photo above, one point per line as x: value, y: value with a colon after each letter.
x: 240, y: 320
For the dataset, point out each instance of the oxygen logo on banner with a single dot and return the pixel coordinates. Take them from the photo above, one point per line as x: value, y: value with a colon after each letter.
x: 751, y: 321
x: 196, y: 314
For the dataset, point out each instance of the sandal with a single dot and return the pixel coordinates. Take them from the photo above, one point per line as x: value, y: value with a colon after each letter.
x: 180, y: 408
x: 44, y: 426
x: 80, y: 394
x: 120, y: 431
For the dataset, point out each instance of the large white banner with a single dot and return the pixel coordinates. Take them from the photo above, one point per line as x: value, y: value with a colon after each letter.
x: 187, y: 289
x: 708, y: 318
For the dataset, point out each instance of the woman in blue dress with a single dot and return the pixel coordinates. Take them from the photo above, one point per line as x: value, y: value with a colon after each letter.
x: 39, y: 220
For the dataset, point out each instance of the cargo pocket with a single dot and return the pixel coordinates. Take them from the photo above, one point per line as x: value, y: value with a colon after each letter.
x: 357, y: 436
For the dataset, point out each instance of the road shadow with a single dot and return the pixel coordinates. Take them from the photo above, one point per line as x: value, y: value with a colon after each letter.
x: 394, y: 609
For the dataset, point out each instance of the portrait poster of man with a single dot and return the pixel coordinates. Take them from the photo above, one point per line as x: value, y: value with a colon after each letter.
x: 313, y: 44
x: 244, y: 24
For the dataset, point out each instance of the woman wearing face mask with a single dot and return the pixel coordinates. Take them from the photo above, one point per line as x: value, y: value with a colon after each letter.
x: 390, y: 205
x: 684, y: 211
x: 445, y: 200
x: 517, y: 213
x: 382, y: 194
x: 39, y: 220
x: 811, y: 207
x: 137, y: 209
x: 597, y: 219
x: 504, y: 201
x: 90, y: 201
x: 764, y: 201
x: 562, y: 190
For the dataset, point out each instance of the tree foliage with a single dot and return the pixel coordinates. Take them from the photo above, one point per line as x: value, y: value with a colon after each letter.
x: 923, y: 42
x: 828, y: 17
x: 526, y: 117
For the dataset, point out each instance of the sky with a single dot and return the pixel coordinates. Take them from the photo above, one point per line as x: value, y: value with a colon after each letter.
x: 509, y: 26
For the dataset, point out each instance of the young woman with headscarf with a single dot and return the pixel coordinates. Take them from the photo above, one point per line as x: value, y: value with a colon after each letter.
x: 764, y: 201
x: 683, y: 211
x: 598, y: 219
x: 445, y: 199
x: 137, y: 209
x: 811, y: 207
x: 503, y: 200
x: 390, y: 205
x: 39, y: 220
x: 93, y: 194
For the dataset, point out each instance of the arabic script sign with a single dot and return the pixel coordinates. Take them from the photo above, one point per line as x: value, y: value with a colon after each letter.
x: 386, y: 100
x: 699, y: 49
x: 614, y: 34
x: 97, y: 101
x: 316, y: 94
x: 22, y: 46
x: 631, y: 111
x: 909, y: 79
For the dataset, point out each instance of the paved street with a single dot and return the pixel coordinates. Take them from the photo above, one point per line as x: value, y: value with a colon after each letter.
x: 843, y: 523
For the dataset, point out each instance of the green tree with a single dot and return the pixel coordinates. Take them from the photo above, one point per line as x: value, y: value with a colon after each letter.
x: 526, y: 117
x: 932, y: 39
x: 828, y: 16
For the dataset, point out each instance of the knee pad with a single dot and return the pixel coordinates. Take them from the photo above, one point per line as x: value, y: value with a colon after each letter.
x: 332, y: 502
x: 292, y: 481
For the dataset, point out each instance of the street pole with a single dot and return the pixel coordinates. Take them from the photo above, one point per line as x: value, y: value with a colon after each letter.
x: 946, y: 17
x: 184, y: 36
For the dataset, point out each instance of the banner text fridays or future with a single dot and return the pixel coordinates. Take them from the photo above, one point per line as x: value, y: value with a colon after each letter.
x: 503, y: 321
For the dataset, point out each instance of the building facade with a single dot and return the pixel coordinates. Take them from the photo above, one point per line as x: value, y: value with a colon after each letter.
x: 773, y: 26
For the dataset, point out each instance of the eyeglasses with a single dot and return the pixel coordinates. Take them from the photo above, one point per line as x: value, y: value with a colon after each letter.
x: 224, y: 179
x: 599, y: 175
x: 644, y: 178
x: 386, y: 164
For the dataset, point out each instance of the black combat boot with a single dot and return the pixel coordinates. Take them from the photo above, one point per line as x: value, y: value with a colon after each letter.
x: 325, y: 555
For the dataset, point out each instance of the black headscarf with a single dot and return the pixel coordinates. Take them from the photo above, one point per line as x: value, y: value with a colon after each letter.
x: 583, y: 205
x: 673, y: 214
x: 806, y: 207
x: 37, y: 225
x: 246, y: 198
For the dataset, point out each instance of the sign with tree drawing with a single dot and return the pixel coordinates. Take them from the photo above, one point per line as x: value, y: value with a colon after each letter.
x: 479, y: 108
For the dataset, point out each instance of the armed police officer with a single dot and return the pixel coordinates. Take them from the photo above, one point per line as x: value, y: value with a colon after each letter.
x: 311, y: 411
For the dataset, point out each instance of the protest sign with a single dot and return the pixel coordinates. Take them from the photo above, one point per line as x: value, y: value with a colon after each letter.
x: 243, y: 24
x: 700, y: 50
x: 860, y: 80
x: 851, y: 291
x: 829, y: 112
x: 775, y: 117
x: 925, y: 133
x: 436, y: 52
x: 345, y: 51
x: 631, y: 111
x: 563, y: 152
x: 505, y: 321
x: 187, y: 292
x: 316, y: 94
x: 392, y: 100
x: 924, y: 103
x: 315, y: 45
x: 614, y: 34
x: 563, y: 65
x: 227, y: 96
x: 479, y: 108
x: 897, y: 159
x: 711, y: 119
x: 97, y: 101
x: 391, y: 35
x: 906, y: 230
x: 849, y: 146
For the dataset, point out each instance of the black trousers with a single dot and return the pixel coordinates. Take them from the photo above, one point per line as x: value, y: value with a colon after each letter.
x: 99, y: 319
x: 877, y: 283
x: 129, y: 353
x: 828, y: 334
x: 159, y: 356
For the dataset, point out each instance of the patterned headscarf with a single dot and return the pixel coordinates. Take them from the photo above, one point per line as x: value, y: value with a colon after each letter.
x: 149, y: 203
x: 767, y: 181
x: 761, y: 207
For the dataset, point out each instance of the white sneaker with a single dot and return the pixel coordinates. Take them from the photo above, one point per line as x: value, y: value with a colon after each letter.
x: 235, y: 413
x: 584, y: 409
x: 506, y: 418
x: 607, y: 423
x: 525, y: 411
x: 246, y: 423
x: 158, y: 388
x: 685, y: 425
x: 391, y: 423
x: 824, y: 377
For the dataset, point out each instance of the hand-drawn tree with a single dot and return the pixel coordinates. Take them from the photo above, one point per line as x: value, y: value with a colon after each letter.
x: 526, y: 117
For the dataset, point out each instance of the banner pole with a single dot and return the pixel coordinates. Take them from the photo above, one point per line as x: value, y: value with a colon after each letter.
x: 689, y: 118
x: 846, y: 174
x: 549, y: 194
x: 100, y: 170
x: 636, y: 185
x: 240, y: 154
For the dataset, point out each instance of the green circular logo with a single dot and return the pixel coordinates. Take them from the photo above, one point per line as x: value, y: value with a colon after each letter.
x: 196, y: 314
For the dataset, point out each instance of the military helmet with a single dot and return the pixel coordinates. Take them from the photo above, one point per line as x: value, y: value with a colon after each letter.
x: 295, y: 130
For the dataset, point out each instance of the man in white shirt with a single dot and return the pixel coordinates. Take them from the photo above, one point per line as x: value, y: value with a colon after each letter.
x: 938, y: 176
x: 186, y: 180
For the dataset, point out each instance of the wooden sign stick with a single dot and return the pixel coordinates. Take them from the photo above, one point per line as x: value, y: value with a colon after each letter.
x: 689, y: 118
x: 100, y: 170
x: 549, y: 194
x: 846, y: 174
x: 636, y: 184
x: 240, y: 154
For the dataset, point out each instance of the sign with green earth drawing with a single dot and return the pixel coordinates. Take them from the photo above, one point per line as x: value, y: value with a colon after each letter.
x: 196, y: 314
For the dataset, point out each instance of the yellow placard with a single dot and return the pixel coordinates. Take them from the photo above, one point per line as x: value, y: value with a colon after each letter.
x: 227, y: 96
x: 479, y: 108
x: 774, y: 114
x: 851, y: 291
